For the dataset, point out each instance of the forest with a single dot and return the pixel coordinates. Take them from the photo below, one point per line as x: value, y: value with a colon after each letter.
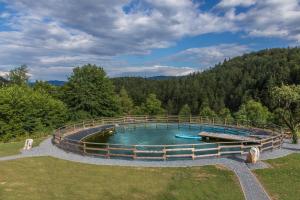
x: 228, y: 84
x: 260, y: 87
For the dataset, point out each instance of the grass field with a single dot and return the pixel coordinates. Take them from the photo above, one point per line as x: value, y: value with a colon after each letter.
x: 7, y: 149
x: 282, y: 181
x: 49, y: 178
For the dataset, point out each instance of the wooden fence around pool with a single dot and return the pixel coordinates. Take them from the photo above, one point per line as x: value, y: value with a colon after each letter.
x: 269, y: 137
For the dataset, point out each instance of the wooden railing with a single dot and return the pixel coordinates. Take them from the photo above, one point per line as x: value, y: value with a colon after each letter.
x: 273, y: 139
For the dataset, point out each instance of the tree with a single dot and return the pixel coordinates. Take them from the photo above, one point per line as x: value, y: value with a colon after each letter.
x: 207, y: 112
x: 126, y: 103
x: 89, y: 92
x: 138, y: 110
x: 170, y: 107
x: 225, y: 114
x: 153, y: 105
x: 19, y: 75
x: 286, y: 100
x: 185, y: 111
x: 253, y: 112
x: 45, y: 87
x: 24, y: 111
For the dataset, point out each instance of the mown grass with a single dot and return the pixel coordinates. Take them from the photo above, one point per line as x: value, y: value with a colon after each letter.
x: 282, y: 181
x: 13, y: 148
x: 49, y: 178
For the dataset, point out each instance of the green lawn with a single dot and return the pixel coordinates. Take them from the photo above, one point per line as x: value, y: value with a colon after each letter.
x: 282, y: 181
x: 7, y: 149
x: 49, y: 178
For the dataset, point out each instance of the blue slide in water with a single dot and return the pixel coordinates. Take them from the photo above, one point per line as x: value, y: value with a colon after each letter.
x: 188, y: 137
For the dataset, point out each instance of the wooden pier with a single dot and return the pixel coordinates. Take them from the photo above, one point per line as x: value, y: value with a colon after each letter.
x: 222, y: 136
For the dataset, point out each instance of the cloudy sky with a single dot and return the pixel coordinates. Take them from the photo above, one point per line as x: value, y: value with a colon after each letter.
x: 139, y: 37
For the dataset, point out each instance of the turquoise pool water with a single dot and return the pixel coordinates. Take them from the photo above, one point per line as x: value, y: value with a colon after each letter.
x: 158, y: 134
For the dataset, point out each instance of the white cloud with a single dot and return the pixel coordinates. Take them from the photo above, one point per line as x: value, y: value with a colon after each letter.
x: 270, y: 18
x: 61, y: 73
x: 50, y: 73
x: 148, y: 71
x: 64, y: 33
x: 234, y: 3
x: 208, y: 56
x: 104, y: 28
x: 3, y: 73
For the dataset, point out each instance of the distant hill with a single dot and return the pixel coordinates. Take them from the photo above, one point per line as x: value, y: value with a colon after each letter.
x: 161, y: 77
x: 56, y: 82
x: 3, y: 81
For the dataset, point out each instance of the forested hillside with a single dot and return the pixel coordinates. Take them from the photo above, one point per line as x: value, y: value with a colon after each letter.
x: 229, y: 84
x: 259, y: 87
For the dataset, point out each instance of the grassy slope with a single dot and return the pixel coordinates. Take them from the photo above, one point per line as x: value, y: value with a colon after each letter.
x: 49, y: 178
x: 13, y: 148
x: 283, y: 180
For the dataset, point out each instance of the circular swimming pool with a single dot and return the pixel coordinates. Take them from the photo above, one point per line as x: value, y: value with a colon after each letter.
x: 159, y: 134
x: 145, y: 138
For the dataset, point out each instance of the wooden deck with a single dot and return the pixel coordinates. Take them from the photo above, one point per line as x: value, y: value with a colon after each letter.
x: 223, y: 136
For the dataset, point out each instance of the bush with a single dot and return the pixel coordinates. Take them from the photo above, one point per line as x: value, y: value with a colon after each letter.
x: 254, y: 112
x: 24, y: 111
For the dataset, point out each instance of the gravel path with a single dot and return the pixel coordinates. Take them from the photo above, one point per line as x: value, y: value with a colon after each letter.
x: 252, y: 188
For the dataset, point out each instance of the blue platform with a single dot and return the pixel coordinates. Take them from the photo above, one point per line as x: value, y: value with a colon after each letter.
x: 188, y: 137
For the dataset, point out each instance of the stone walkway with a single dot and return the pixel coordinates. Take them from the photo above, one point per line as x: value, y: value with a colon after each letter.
x: 251, y: 187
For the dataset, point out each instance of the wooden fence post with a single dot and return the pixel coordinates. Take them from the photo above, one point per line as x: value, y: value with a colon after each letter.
x: 193, y: 155
x: 164, y: 150
x: 84, y: 147
x: 167, y: 121
x: 134, y: 152
x: 107, y: 153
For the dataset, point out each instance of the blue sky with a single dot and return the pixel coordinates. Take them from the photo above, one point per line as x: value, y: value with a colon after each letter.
x: 139, y: 37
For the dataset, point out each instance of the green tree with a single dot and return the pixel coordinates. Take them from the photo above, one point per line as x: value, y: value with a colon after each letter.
x: 287, y: 103
x: 45, y: 87
x: 138, y: 110
x: 89, y: 92
x: 253, y: 112
x: 226, y: 114
x: 185, y: 111
x: 153, y: 105
x: 170, y: 107
x: 126, y: 103
x: 207, y: 112
x: 19, y: 75
x: 24, y: 111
